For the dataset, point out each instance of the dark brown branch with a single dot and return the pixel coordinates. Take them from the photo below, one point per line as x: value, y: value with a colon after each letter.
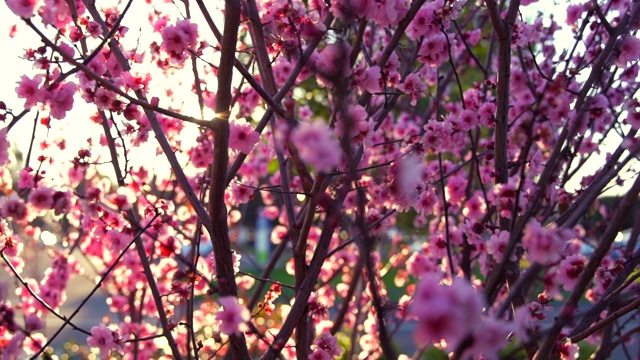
x: 218, y: 170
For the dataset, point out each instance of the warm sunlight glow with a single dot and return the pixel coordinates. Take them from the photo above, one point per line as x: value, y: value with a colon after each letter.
x: 48, y: 238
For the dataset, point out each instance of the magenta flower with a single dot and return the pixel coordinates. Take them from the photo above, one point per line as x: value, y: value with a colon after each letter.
x: 440, y: 310
x: 328, y: 344
x: 178, y: 39
x: 629, y: 50
x: 414, y: 87
x: 316, y: 146
x: 29, y: 89
x: 23, y: 8
x: 544, y: 244
x: 41, y: 198
x: 570, y: 269
x: 60, y: 100
x: 242, y: 137
x: 105, y: 339
x: 331, y: 62
x: 233, y: 316
x: 4, y: 147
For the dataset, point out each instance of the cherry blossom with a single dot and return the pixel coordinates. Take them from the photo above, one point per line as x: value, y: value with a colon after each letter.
x: 327, y: 344
x: 544, y: 244
x: 439, y: 310
x: 23, y: 8
x: 317, y: 146
x: 60, y: 100
x: 414, y: 87
x: 41, y: 198
x: 242, y: 137
x: 178, y: 39
x: 4, y: 147
x: 330, y: 62
x: 105, y: 339
x: 29, y: 89
x: 233, y: 316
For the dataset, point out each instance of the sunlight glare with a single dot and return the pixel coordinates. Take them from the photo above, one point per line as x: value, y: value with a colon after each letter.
x: 48, y: 238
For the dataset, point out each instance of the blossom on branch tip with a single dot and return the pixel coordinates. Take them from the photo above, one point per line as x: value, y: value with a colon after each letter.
x: 28, y: 89
x: 440, y: 309
x: 327, y: 344
x: 414, y: 87
x: 316, y: 145
x: 233, y: 316
x: 4, y: 147
x: 242, y: 137
x: 331, y: 61
x: 544, y: 244
x: 23, y: 8
x: 105, y: 339
x: 60, y: 100
x: 178, y: 39
x: 629, y: 50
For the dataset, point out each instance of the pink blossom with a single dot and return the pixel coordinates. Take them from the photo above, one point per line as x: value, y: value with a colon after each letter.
x: 486, y: 113
x: 489, y: 338
x: 407, y: 181
x: 29, y: 89
x: 475, y: 207
x: 456, y: 188
x: 425, y: 22
x: 320, y: 355
x: 629, y: 50
x: 328, y: 344
x: 418, y: 265
x: 387, y: 12
x: 544, y: 244
x: 13, y: 348
x: 473, y: 37
x: 467, y: 120
x: 23, y: 8
x: 371, y: 79
x: 61, y: 202
x: 136, y: 81
x: 105, y: 339
x: 27, y: 178
x: 4, y: 147
x: 104, y: 99
x: 241, y: 194
x: 434, y: 50
x: 33, y: 322
x: 331, y: 61
x: 56, y: 13
x: 570, y: 269
x: 117, y: 240
x: 574, y: 12
x: 60, y: 100
x: 633, y: 119
x: 440, y: 310
x: 414, y: 87
x: 233, y: 316
x: 67, y: 50
x: 242, y: 137
x: 13, y: 207
x: 497, y: 245
x: 347, y: 10
x: 41, y: 198
x: 178, y: 39
x: 357, y: 122
x: 316, y: 146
